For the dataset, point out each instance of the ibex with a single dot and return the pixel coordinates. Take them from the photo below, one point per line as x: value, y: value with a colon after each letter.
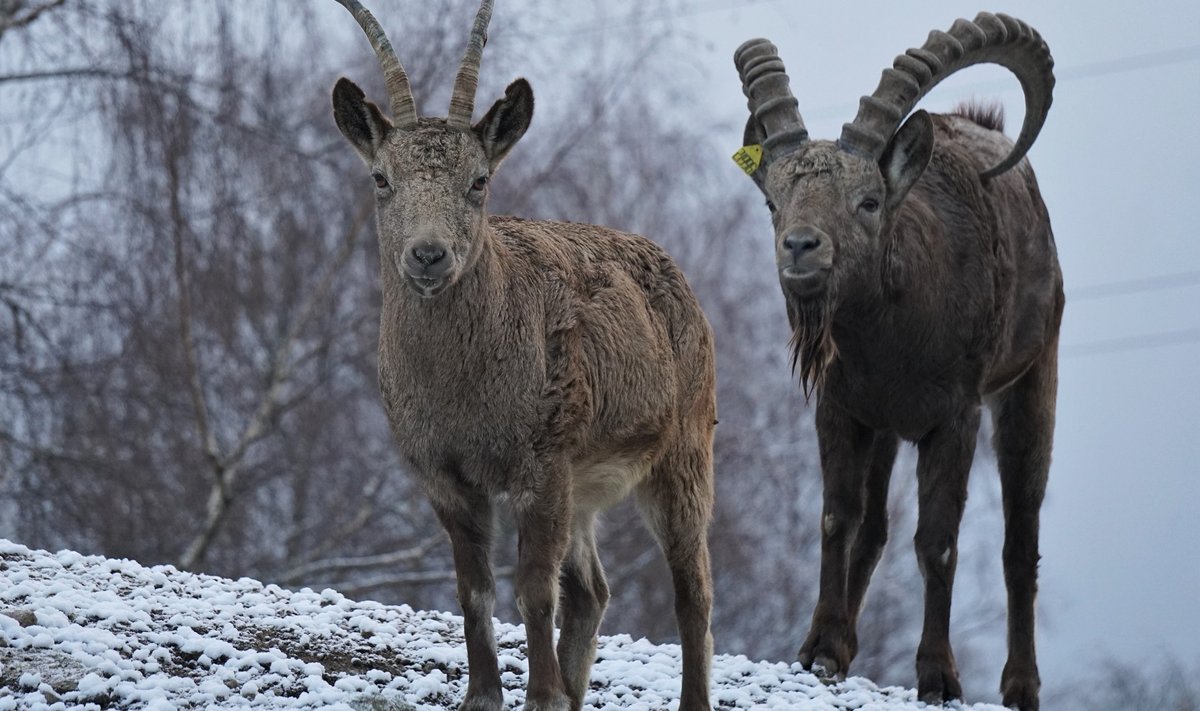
x: 557, y: 366
x: 921, y: 280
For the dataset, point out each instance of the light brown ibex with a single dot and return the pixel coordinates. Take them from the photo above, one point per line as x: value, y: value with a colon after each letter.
x: 556, y: 366
x: 921, y: 281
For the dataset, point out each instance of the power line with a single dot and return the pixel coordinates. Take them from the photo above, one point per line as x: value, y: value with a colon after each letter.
x: 637, y: 18
x: 1134, y: 286
x: 1120, y: 65
x: 1132, y: 343
x: 1100, y: 68
x: 1131, y: 63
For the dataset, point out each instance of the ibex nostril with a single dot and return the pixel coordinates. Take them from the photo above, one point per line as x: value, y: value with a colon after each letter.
x: 428, y: 254
x: 802, y: 243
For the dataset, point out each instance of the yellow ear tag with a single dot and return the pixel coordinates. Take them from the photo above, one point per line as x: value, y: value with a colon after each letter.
x: 748, y: 158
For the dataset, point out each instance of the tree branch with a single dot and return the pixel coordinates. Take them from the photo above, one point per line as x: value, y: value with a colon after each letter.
x: 423, y: 577
x: 187, y: 341
x: 15, y: 21
x: 350, y: 564
x: 71, y: 73
x: 355, y: 524
x: 282, y: 363
x: 226, y: 468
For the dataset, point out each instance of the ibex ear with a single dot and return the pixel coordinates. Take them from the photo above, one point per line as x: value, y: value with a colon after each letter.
x: 505, y: 122
x: 906, y: 157
x: 754, y: 135
x: 360, y: 121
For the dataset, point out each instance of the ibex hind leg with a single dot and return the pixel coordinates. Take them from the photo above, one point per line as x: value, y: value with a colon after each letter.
x: 584, y: 596
x: 1024, y: 430
x: 676, y: 502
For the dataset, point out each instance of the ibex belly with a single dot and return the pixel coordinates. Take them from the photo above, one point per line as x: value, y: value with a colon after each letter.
x: 597, y: 484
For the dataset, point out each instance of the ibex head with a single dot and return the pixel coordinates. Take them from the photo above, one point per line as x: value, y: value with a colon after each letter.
x: 832, y: 203
x: 431, y: 174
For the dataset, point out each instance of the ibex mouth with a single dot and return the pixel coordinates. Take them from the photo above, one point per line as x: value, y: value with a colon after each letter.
x: 427, y: 288
x: 425, y: 285
x: 804, y: 283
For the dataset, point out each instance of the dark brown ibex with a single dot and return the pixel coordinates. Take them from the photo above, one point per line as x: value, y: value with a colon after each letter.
x: 556, y: 366
x: 921, y: 280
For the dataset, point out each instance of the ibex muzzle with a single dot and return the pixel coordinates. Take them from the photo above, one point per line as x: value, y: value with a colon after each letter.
x: 805, y: 256
x: 427, y: 263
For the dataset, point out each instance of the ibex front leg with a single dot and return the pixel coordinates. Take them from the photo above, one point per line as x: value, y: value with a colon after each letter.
x: 845, y: 446
x: 943, y: 466
x: 873, y: 533
x: 468, y: 518
x: 542, y: 528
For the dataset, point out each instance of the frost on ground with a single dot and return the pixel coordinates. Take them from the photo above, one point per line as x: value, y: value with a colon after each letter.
x: 92, y: 632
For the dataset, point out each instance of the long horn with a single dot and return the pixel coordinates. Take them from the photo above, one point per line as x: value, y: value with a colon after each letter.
x: 770, y: 100
x: 999, y: 39
x: 462, y: 102
x: 404, y: 110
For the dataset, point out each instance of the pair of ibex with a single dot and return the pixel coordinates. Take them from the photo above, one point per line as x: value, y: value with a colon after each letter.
x: 562, y: 366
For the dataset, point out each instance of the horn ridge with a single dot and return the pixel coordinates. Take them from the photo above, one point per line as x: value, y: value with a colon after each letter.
x: 998, y: 39
x: 462, y: 101
x: 400, y: 97
x: 769, y: 97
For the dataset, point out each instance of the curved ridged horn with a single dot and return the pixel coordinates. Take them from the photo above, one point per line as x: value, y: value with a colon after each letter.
x: 462, y: 102
x: 770, y: 100
x: 999, y: 39
x: 404, y: 110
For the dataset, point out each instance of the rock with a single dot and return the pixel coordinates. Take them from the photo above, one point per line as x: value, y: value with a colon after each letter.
x: 25, y: 618
x: 374, y: 702
x: 58, y: 670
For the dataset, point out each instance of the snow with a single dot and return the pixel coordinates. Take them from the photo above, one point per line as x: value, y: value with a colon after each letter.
x: 90, y: 632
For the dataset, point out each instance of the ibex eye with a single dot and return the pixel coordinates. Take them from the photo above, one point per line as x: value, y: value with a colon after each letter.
x: 770, y: 206
x: 870, y: 205
x: 480, y: 183
x: 380, y: 181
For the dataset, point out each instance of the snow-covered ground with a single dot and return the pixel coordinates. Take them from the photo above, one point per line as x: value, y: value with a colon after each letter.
x: 79, y: 631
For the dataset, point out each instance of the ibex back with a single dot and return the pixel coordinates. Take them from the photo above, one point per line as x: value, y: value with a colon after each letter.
x: 557, y: 366
x: 921, y: 281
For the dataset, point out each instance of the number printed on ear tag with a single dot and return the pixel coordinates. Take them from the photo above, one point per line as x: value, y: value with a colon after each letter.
x: 748, y: 158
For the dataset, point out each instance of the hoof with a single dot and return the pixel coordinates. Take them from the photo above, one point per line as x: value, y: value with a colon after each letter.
x: 557, y: 703
x: 1019, y: 689
x: 483, y: 702
x: 826, y: 654
x: 937, y: 682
